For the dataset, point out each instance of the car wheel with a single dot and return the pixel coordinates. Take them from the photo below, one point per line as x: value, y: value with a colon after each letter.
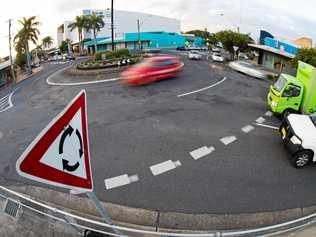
x: 302, y: 158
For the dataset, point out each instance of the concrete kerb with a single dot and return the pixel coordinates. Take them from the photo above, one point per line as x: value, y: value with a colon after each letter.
x: 147, y: 219
x: 50, y: 81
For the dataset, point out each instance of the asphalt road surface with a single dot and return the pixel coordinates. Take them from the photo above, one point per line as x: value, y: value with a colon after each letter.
x: 198, y: 143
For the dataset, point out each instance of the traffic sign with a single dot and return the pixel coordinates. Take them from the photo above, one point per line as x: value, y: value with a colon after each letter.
x: 59, y: 155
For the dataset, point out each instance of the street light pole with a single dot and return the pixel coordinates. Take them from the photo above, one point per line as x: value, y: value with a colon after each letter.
x: 10, y: 51
x: 112, y: 26
x: 138, y: 31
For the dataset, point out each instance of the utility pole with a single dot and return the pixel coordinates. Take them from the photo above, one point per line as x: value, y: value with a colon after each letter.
x: 112, y: 26
x: 10, y: 51
x: 138, y: 31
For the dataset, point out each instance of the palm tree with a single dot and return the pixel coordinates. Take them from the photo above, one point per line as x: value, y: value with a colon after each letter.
x: 95, y: 23
x: 29, y: 32
x: 47, y: 42
x: 81, y: 22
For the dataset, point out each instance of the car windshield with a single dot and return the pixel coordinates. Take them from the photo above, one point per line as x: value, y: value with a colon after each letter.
x: 280, y: 84
x: 313, y: 118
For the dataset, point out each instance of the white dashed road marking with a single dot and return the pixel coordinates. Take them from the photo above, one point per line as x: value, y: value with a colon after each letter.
x: 120, y: 181
x: 164, y: 167
x: 203, y: 89
x: 201, y: 152
x: 227, y: 140
x: 268, y: 114
x: 267, y: 126
x: 247, y: 129
x: 260, y: 120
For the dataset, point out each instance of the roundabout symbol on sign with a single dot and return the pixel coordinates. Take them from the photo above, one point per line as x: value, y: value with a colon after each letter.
x: 68, y: 133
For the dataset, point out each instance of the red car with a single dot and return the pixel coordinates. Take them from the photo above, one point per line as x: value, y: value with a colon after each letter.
x: 152, y: 69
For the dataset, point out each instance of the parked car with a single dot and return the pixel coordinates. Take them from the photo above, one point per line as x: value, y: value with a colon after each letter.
x: 151, y: 70
x: 181, y: 48
x: 217, y: 57
x: 194, y: 55
x: 216, y: 50
x: 298, y: 133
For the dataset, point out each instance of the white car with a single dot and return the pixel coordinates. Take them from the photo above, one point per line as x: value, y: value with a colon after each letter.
x: 298, y: 132
x: 248, y: 69
x: 217, y: 57
x: 194, y: 55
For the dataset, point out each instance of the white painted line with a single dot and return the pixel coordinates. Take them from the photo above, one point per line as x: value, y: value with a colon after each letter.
x: 260, y: 120
x: 164, y: 167
x: 268, y: 114
x: 81, y: 83
x: 9, y: 101
x: 1, y: 135
x: 203, y: 89
x: 120, y: 181
x: 267, y: 126
x: 247, y: 129
x: 201, y: 152
x: 228, y: 140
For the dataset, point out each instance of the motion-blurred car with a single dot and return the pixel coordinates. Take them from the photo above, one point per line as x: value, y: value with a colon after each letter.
x: 248, y: 68
x: 181, y: 48
x: 217, y: 57
x: 194, y: 55
x: 151, y: 70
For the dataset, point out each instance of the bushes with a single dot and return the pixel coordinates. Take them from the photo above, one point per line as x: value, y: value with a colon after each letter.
x: 117, y: 54
x: 20, y: 59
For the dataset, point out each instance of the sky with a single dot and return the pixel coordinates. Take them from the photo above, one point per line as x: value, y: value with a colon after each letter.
x: 287, y: 19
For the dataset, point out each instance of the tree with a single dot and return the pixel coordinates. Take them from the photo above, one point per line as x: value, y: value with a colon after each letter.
x: 81, y: 22
x: 306, y: 55
x: 95, y: 23
x: 47, y: 42
x: 199, y: 33
x: 29, y: 32
x: 64, y: 46
x: 229, y: 39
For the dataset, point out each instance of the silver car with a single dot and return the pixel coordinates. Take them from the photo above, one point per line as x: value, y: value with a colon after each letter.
x: 194, y: 55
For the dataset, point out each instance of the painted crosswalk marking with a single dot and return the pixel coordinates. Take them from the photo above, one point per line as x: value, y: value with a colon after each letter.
x: 247, y: 129
x: 201, y: 152
x: 228, y: 140
x: 260, y: 120
x: 164, y: 167
x: 268, y: 114
x: 119, y: 181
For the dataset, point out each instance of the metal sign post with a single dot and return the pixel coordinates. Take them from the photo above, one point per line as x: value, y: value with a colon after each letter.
x: 102, y: 210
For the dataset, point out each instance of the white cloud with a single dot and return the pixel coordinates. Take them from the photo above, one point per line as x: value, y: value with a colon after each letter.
x: 288, y: 18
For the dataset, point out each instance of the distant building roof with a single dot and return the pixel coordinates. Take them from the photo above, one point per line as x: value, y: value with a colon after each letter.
x: 272, y: 50
x: 304, y: 42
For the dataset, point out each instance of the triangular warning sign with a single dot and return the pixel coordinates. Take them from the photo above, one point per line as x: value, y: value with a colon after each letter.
x: 60, y: 154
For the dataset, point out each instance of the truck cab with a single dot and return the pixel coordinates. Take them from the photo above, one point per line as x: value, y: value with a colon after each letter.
x: 294, y: 94
x: 285, y: 95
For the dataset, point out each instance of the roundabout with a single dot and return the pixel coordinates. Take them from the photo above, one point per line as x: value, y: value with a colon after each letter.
x: 202, y: 143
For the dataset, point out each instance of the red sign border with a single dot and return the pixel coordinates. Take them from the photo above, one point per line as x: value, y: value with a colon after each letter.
x: 31, y: 157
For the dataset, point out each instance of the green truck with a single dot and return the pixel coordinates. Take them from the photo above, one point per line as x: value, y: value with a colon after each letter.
x: 294, y: 94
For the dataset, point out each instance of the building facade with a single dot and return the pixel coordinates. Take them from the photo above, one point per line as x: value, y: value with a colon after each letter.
x: 304, y: 42
x: 124, y: 22
x: 147, y: 40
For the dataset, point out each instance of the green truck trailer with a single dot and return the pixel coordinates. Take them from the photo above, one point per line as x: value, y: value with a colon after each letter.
x: 294, y: 94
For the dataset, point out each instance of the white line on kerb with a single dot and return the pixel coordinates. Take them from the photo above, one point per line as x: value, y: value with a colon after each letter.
x: 203, y: 89
x: 247, y: 129
x: 227, y: 140
x: 164, y: 167
x: 201, y: 152
x: 260, y: 120
x: 120, y: 181
x: 268, y: 114
x: 267, y: 126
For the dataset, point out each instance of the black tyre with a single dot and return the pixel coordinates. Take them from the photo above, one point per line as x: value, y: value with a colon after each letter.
x: 287, y: 112
x: 302, y: 158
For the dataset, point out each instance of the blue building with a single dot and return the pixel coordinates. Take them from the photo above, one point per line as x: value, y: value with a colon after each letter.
x: 151, y: 40
x: 275, y: 54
